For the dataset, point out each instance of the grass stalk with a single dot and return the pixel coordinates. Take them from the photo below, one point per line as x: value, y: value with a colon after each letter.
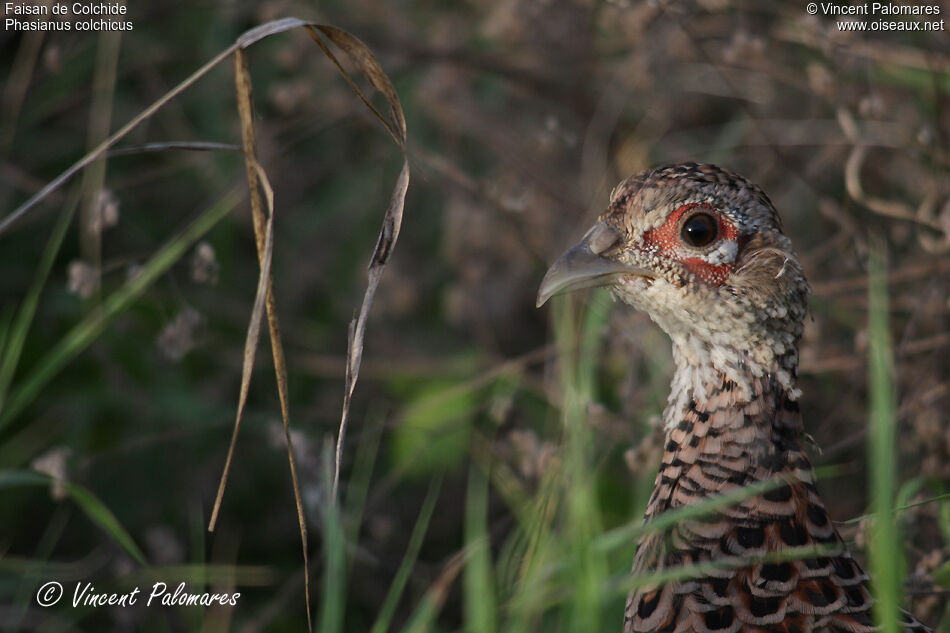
x: 10, y: 354
x: 388, y: 609
x: 478, y: 583
x: 884, y: 542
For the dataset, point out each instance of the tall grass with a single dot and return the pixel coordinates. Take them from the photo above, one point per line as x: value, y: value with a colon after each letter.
x: 885, y: 552
x: 571, y: 570
x: 547, y: 572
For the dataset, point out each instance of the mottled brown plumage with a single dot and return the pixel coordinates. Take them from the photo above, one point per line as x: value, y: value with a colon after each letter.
x: 702, y: 251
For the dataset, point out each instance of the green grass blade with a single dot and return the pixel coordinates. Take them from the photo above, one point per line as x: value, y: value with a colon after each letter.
x: 357, y: 488
x: 537, y: 546
x: 478, y: 583
x: 555, y: 592
x: 334, y: 589
x: 884, y: 543
x: 333, y: 605
x: 51, y: 536
x: 900, y: 509
x: 631, y: 532
x: 104, y: 518
x: 424, y: 615
x: 21, y: 327
x: 89, y: 503
x: 88, y: 329
x: 384, y: 619
x: 587, y: 565
x: 6, y: 320
x: 592, y: 339
x: 699, y: 570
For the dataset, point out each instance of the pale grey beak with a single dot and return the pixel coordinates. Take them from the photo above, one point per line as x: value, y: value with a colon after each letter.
x: 584, y: 265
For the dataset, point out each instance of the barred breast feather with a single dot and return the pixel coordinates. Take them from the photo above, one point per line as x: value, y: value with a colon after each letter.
x: 719, y: 446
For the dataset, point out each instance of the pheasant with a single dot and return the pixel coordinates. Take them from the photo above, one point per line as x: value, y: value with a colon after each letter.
x: 701, y: 250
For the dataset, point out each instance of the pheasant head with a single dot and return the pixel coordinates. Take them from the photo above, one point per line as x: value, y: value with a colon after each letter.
x: 701, y: 250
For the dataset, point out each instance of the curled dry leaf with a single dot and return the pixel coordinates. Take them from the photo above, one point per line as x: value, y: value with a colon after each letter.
x: 364, y: 59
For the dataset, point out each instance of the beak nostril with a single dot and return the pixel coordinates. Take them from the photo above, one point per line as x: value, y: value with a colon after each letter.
x: 603, y: 239
x: 585, y: 265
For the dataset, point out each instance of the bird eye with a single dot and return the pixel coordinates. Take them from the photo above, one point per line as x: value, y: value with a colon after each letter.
x: 700, y: 230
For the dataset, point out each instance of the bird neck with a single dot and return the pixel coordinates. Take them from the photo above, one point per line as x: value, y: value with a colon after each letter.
x: 760, y: 372
x: 726, y: 435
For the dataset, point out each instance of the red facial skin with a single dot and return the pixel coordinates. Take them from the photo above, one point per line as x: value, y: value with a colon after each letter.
x: 665, y: 240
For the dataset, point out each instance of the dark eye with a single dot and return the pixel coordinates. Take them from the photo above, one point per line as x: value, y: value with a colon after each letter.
x: 700, y: 230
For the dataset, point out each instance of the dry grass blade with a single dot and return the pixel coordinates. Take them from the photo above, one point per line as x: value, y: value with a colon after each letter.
x: 96, y: 153
x: 360, y: 54
x: 250, y: 343
x: 889, y: 208
x: 191, y: 146
x: 364, y: 59
x: 263, y: 31
x: 264, y: 236
x: 350, y: 43
x: 387, y: 239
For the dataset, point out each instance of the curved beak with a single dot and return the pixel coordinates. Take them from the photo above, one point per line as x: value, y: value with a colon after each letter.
x: 584, y: 266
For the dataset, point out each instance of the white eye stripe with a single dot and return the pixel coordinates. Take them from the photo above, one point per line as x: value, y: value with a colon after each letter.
x: 725, y: 253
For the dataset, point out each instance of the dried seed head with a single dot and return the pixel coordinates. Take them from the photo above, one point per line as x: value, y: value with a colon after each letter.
x: 54, y: 464
x: 82, y: 279
x: 204, y: 265
x: 179, y: 337
x: 105, y: 211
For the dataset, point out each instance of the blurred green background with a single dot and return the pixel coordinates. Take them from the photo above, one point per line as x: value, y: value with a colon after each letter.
x: 491, y: 445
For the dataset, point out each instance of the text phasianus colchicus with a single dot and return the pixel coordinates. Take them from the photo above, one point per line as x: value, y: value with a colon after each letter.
x: 701, y: 250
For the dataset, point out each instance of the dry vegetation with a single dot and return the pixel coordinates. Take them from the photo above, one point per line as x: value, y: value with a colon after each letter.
x: 522, y: 114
